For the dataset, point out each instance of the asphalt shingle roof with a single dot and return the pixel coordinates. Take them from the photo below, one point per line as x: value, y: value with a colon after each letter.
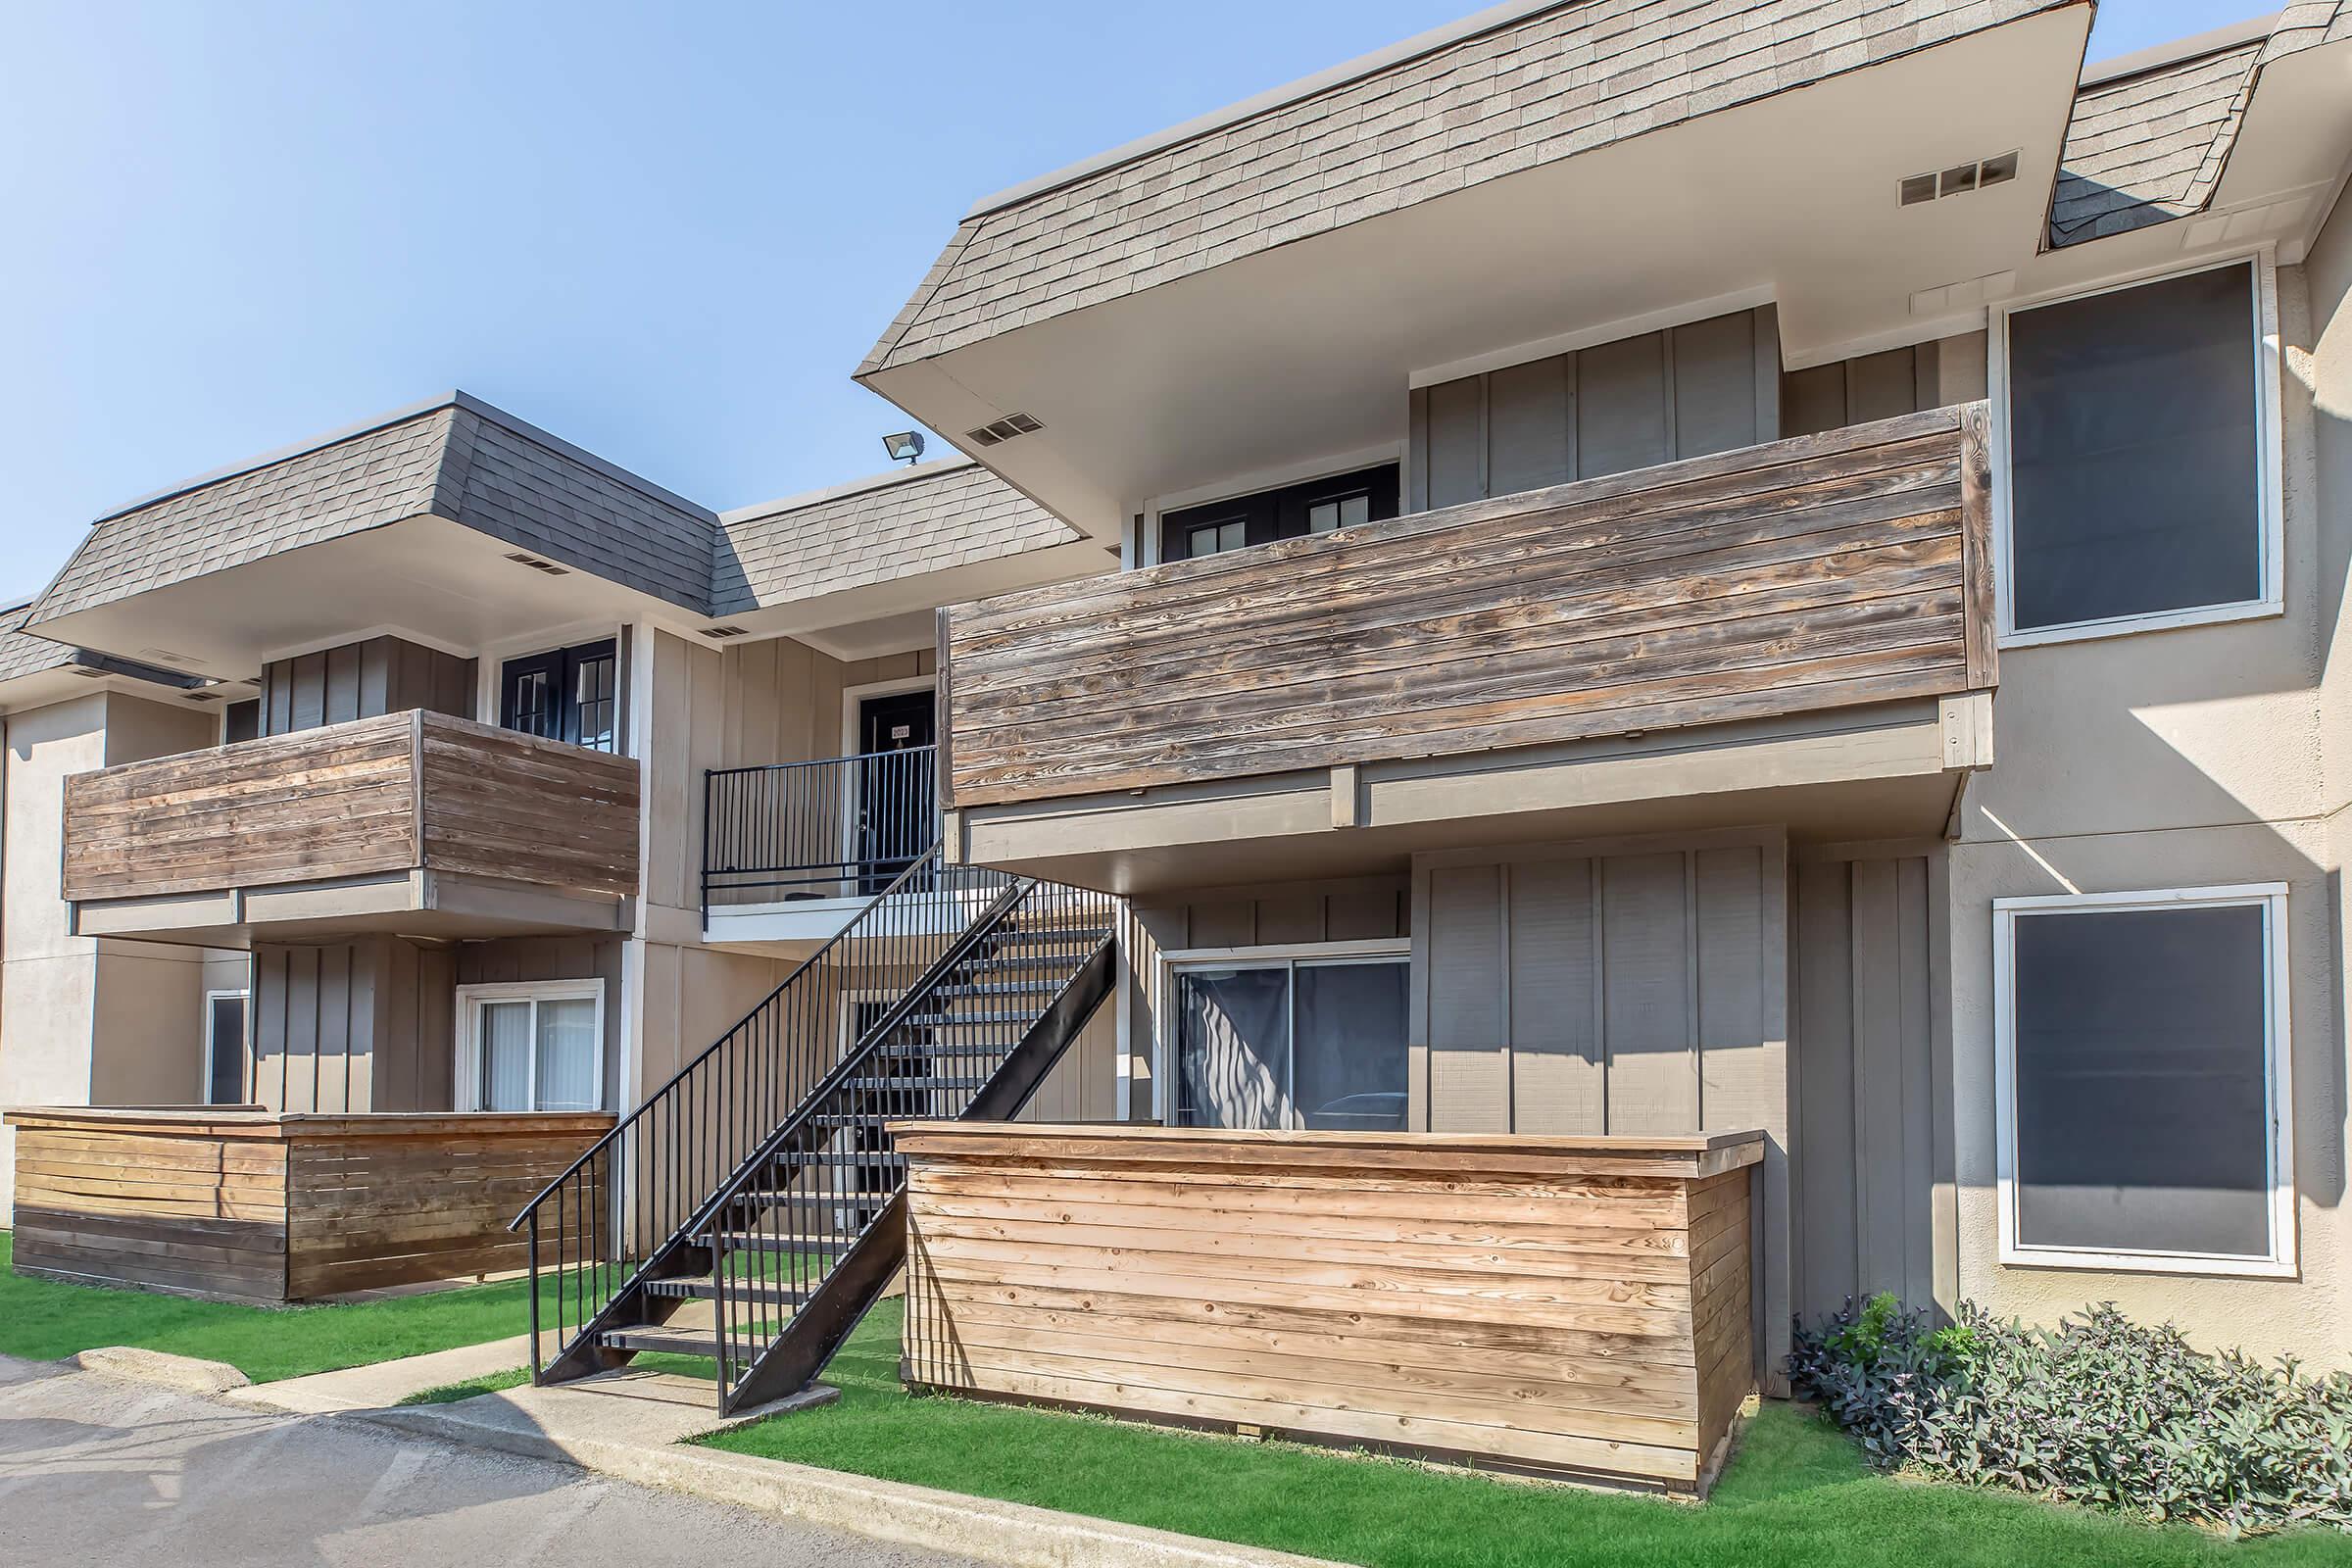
x: 937, y: 517
x: 458, y: 457
x: 462, y: 460
x: 1529, y: 91
x: 2150, y: 147
x: 25, y: 655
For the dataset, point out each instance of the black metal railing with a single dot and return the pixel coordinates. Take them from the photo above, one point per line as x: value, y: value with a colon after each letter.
x: 784, y: 1224
x: 840, y: 827
x: 642, y: 1188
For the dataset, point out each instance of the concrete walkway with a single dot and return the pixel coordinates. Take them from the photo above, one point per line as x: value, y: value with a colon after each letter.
x: 387, y: 1383
x: 94, y: 1469
x: 635, y: 1427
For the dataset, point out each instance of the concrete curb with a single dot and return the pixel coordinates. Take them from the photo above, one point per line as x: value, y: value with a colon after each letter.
x: 1009, y: 1533
x: 184, y: 1373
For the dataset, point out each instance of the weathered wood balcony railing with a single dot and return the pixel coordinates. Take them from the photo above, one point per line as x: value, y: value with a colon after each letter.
x: 404, y: 790
x: 1821, y: 572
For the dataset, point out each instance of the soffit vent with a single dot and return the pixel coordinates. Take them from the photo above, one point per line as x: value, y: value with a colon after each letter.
x: 537, y: 565
x: 1959, y: 180
x: 200, y: 697
x: 1005, y: 429
x: 719, y: 635
x: 87, y: 674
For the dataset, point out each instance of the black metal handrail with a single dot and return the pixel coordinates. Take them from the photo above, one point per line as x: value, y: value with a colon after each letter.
x: 840, y: 826
x: 827, y: 1179
x: 646, y: 1184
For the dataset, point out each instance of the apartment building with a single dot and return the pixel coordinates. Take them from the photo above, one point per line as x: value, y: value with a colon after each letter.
x: 445, y: 706
x: 1612, y: 675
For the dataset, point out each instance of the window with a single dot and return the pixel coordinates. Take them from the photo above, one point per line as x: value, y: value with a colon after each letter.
x: 224, y: 1037
x: 1303, y: 1042
x: 535, y: 1045
x: 2140, y: 1060
x: 1340, y: 512
x: 569, y: 694
x: 2137, y: 432
x: 1317, y: 505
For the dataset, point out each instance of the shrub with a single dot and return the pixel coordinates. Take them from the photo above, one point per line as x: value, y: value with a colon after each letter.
x: 2099, y: 1411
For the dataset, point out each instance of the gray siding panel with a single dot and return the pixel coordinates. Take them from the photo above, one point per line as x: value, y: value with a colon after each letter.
x: 1530, y: 419
x: 1645, y: 984
x: 1556, y: 1069
x: 1624, y: 405
x: 1715, y: 385
x: 1865, y: 1143
x: 1635, y: 988
x: 1456, y: 464
x: 362, y: 680
x: 1469, y: 999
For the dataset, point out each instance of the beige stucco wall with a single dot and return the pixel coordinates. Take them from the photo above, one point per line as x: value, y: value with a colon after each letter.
x: 85, y: 1022
x: 2190, y: 756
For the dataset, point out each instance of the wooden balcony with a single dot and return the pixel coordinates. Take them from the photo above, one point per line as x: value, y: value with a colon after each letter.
x: 1745, y: 597
x: 414, y: 821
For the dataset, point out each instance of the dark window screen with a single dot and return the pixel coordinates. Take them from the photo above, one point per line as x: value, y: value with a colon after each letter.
x: 2141, y: 1105
x: 1351, y: 1060
x: 2132, y: 457
x: 224, y: 1028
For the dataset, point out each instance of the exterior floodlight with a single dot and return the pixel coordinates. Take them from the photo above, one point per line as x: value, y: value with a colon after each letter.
x: 904, y: 447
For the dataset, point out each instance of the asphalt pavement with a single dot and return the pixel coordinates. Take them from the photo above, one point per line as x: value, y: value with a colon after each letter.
x: 97, y: 1470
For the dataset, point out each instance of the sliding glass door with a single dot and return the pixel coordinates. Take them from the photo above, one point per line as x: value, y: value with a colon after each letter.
x: 1292, y: 1042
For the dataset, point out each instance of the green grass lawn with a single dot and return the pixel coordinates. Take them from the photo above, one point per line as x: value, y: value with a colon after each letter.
x: 41, y: 1320
x: 1796, y: 1494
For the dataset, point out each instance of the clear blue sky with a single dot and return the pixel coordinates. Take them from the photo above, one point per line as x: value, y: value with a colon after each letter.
x: 664, y: 230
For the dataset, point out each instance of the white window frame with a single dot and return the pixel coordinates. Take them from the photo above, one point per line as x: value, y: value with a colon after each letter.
x: 2268, y: 453
x: 243, y: 994
x: 470, y: 1039
x: 1289, y: 954
x: 2271, y: 898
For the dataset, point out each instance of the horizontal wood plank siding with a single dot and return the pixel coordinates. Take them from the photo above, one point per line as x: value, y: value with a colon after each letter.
x: 392, y: 792
x: 1816, y: 573
x: 1551, y: 1305
x: 263, y: 1208
x: 194, y: 1205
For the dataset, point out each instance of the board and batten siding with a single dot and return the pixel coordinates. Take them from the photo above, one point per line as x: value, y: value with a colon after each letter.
x: 357, y: 1026
x: 746, y: 705
x: 1622, y: 988
x: 384, y: 674
x: 1682, y: 392
x: 370, y: 1025
x: 1883, y: 385
x: 1872, y: 1154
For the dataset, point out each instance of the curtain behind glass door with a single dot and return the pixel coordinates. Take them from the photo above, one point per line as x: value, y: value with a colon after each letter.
x: 506, y: 1056
x: 1233, y: 1049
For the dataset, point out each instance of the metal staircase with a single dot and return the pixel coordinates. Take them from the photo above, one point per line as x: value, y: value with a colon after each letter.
x: 754, y: 1206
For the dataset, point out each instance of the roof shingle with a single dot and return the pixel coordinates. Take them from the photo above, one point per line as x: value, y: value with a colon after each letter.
x: 1534, y: 89
x: 935, y: 516
x: 2150, y: 147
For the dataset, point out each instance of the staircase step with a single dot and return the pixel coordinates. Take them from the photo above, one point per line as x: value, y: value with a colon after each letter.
x: 703, y: 1288
x: 757, y: 1241
x: 892, y: 1086
x: 653, y: 1336
x: 1002, y: 988
x: 936, y: 1020
x: 872, y: 1157
x: 865, y: 1199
